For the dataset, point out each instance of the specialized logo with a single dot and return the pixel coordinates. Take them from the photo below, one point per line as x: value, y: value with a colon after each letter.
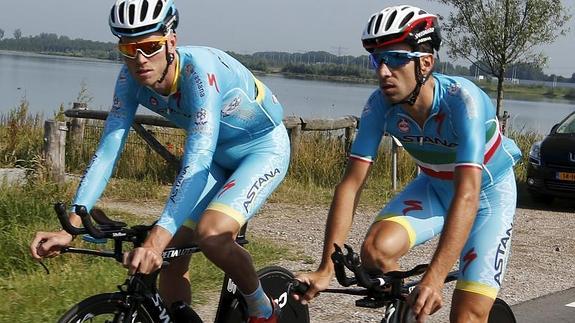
x: 257, y: 186
x: 201, y: 117
x: 227, y: 186
x: 423, y: 33
x: 212, y: 81
x: 231, y: 107
x: 468, y: 258
x: 403, y: 126
x: 413, y: 205
x: 501, y: 255
x: 231, y: 286
x: 164, y: 317
x: 178, y: 184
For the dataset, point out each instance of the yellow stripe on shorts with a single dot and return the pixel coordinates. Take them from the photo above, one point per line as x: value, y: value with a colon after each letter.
x: 229, y: 211
x: 477, y: 288
x: 401, y: 221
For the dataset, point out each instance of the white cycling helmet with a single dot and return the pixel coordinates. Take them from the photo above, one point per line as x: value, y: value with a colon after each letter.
x: 401, y: 24
x: 133, y: 18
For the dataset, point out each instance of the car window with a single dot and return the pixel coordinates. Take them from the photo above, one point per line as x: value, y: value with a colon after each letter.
x: 567, y: 127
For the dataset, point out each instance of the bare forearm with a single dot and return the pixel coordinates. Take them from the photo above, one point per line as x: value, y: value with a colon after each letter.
x: 338, y: 224
x: 158, y: 239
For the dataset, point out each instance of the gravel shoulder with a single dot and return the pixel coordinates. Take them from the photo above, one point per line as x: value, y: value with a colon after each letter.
x: 543, y: 247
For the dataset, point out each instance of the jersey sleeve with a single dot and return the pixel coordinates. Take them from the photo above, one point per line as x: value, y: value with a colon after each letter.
x: 116, y: 129
x: 371, y: 130
x: 199, y: 148
x: 469, y: 123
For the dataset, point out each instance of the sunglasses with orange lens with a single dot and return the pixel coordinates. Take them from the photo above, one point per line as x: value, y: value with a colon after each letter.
x: 147, y: 48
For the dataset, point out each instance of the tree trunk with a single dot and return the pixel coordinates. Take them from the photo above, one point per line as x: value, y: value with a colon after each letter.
x: 500, y: 80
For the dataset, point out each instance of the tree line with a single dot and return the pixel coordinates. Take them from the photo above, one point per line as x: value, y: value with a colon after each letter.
x: 313, y: 63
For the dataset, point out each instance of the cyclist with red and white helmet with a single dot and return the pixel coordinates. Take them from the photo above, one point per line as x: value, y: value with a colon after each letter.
x: 466, y: 190
x: 236, y: 150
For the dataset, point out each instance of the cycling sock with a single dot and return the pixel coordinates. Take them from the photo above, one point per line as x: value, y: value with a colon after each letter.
x: 259, y: 304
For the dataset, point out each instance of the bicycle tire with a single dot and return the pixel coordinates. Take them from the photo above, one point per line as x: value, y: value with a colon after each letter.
x: 501, y: 312
x: 102, y: 308
x: 275, y: 281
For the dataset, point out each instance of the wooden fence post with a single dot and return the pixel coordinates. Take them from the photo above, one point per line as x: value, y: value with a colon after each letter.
x: 55, y: 149
x: 350, y: 134
x: 77, y: 126
x: 76, y: 130
x: 295, y: 137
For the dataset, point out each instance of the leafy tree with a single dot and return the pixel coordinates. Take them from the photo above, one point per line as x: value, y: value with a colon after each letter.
x: 499, y: 33
x: 1, y: 34
x: 17, y: 34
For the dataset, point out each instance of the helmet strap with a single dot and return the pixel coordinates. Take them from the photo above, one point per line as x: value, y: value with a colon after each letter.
x: 169, y: 60
x: 420, y: 79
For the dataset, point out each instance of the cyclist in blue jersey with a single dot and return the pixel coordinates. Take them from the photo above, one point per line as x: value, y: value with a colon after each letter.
x: 466, y: 189
x: 236, y: 150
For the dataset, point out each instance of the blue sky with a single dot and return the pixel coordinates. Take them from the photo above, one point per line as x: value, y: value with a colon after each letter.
x: 246, y: 26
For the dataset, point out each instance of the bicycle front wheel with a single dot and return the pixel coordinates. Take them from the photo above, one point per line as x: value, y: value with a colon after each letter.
x: 275, y: 281
x: 104, y: 308
x: 501, y: 312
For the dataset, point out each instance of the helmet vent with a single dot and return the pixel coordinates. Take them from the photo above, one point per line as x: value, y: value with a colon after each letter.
x: 112, y: 15
x: 132, y: 13
x: 422, y: 12
x: 378, y: 23
x: 158, y: 9
x: 144, y: 10
x: 406, y: 19
x: 390, y: 20
x: 121, y: 12
x: 369, y: 24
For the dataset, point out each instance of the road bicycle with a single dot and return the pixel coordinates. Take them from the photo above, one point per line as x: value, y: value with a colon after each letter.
x: 137, y: 299
x: 388, y: 291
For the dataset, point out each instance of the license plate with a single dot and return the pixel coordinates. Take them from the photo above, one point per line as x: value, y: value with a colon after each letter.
x: 566, y: 176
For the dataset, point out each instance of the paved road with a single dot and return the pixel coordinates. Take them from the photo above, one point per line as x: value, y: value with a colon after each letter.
x: 553, y: 308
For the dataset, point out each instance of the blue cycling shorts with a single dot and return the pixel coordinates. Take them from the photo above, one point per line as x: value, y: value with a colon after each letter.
x: 421, y: 209
x: 240, y: 189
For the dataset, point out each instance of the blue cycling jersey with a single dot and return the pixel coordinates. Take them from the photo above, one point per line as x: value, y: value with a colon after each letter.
x: 462, y: 129
x: 218, y: 102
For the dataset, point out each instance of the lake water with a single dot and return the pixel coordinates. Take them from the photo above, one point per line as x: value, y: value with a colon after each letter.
x: 49, y: 81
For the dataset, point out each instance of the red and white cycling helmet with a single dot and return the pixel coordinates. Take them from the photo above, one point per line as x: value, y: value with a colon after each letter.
x: 401, y: 24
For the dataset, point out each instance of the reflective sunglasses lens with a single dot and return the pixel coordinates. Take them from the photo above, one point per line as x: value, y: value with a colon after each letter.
x: 390, y: 59
x: 148, y: 49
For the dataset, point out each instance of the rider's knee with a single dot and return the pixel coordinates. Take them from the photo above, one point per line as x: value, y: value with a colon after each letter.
x: 384, y: 244
x: 212, y: 239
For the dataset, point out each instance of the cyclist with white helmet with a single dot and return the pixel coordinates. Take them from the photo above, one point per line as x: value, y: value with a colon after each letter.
x: 236, y: 150
x: 466, y: 189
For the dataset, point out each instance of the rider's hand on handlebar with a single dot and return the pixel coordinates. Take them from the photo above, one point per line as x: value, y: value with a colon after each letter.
x: 425, y: 300
x: 317, y: 281
x: 143, y: 260
x: 49, y: 244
